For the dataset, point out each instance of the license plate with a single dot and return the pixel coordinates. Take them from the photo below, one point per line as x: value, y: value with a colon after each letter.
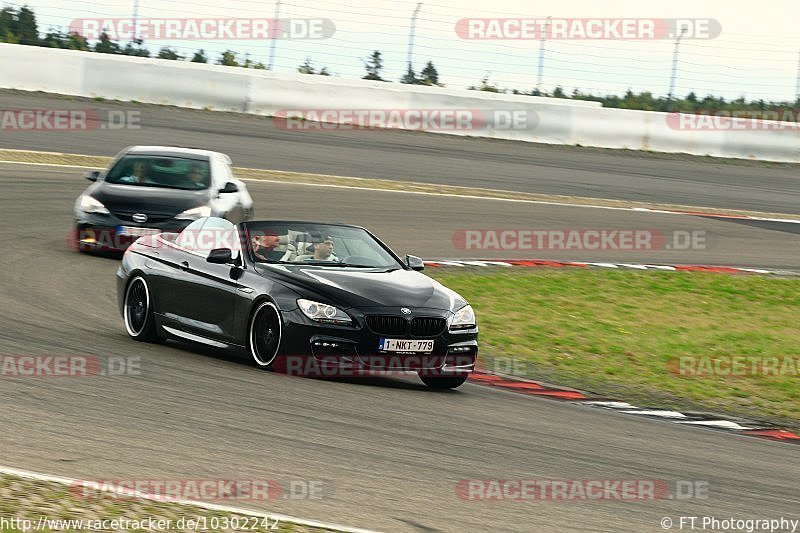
x: 399, y: 345
x: 133, y: 231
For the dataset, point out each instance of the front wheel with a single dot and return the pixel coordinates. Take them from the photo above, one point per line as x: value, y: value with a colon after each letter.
x: 443, y: 382
x: 138, y: 312
x: 264, y: 337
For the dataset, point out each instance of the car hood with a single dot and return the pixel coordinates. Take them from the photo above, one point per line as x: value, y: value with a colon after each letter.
x: 135, y: 198
x: 347, y: 288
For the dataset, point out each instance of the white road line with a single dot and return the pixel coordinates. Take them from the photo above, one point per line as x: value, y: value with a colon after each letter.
x: 203, y: 505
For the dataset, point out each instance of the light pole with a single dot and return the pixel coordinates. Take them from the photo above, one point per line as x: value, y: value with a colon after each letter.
x: 674, y: 68
x: 542, y: 39
x: 797, y: 84
x: 135, y: 20
x: 411, y: 32
x: 274, y: 35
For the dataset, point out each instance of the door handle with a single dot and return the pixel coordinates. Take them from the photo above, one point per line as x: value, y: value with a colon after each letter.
x: 185, y: 265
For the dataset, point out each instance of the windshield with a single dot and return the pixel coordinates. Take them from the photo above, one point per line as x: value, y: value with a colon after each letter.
x: 160, y: 171
x: 316, y: 244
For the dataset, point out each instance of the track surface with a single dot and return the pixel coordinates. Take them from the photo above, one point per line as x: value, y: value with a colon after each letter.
x: 392, y: 450
x: 255, y: 142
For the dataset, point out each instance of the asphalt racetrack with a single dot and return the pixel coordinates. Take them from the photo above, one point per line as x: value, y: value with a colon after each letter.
x: 389, y: 451
x: 255, y: 142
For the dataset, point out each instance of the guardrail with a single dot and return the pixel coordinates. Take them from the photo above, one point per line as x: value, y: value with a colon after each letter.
x: 550, y: 120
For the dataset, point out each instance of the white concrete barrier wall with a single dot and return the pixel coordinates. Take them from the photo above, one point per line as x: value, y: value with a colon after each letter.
x: 554, y: 121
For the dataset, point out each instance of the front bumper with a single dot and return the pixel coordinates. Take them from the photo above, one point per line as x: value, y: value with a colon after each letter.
x: 101, y: 233
x: 310, y: 348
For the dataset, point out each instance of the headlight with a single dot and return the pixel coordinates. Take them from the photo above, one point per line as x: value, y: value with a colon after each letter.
x: 464, y: 318
x: 323, y: 312
x: 91, y: 205
x: 195, y: 213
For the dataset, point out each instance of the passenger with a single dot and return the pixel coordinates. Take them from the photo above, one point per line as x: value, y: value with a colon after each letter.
x: 197, y: 176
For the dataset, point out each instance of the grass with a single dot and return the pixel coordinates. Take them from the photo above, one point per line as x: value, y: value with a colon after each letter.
x: 26, y: 499
x: 614, y: 333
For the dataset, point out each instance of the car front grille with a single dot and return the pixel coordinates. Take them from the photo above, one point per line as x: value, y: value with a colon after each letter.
x: 387, y: 325
x: 428, y: 326
x: 398, y: 325
x: 127, y: 216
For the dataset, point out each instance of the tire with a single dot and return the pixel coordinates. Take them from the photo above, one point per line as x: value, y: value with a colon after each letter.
x: 265, y: 334
x: 138, y: 312
x: 443, y: 382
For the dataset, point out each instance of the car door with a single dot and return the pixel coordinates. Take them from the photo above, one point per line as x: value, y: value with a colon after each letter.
x: 226, y: 204
x: 203, y: 295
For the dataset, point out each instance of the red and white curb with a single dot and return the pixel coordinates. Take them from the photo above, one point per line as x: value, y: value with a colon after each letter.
x: 587, y: 264
x: 27, y: 474
x: 534, y: 388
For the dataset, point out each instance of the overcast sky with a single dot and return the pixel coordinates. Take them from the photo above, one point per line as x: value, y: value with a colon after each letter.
x: 755, y: 56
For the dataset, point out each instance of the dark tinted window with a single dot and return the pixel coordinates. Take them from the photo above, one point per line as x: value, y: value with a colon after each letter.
x: 157, y: 171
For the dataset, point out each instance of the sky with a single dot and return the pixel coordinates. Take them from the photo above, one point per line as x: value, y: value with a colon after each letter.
x: 757, y: 54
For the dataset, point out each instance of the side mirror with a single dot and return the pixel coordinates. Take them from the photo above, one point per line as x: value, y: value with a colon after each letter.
x: 221, y: 256
x: 93, y: 175
x: 229, y: 187
x: 414, y: 263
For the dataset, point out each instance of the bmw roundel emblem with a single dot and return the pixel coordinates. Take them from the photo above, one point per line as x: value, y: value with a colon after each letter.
x: 405, y: 310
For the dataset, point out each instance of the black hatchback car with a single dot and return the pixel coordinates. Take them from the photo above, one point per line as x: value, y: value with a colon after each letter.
x: 149, y: 189
x: 300, y: 297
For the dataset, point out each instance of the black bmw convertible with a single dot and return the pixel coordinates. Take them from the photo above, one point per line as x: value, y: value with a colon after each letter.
x: 299, y: 297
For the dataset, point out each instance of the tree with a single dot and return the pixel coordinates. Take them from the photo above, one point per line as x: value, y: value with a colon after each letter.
x: 53, y: 39
x: 485, y: 86
x: 200, y: 57
x: 168, y: 53
x: 409, y: 77
x: 429, y: 75
x: 228, y: 59
x: 106, y: 46
x: 25, y: 27
x: 7, y: 21
x: 558, y: 92
x: 374, y: 66
x: 306, y: 67
x: 135, y: 48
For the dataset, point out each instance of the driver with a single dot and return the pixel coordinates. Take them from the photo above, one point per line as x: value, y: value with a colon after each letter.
x: 141, y: 171
x: 322, y: 251
x: 268, y: 247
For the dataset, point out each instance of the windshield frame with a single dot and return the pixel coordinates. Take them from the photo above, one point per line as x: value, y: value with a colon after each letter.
x: 190, y: 158
x: 249, y: 226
